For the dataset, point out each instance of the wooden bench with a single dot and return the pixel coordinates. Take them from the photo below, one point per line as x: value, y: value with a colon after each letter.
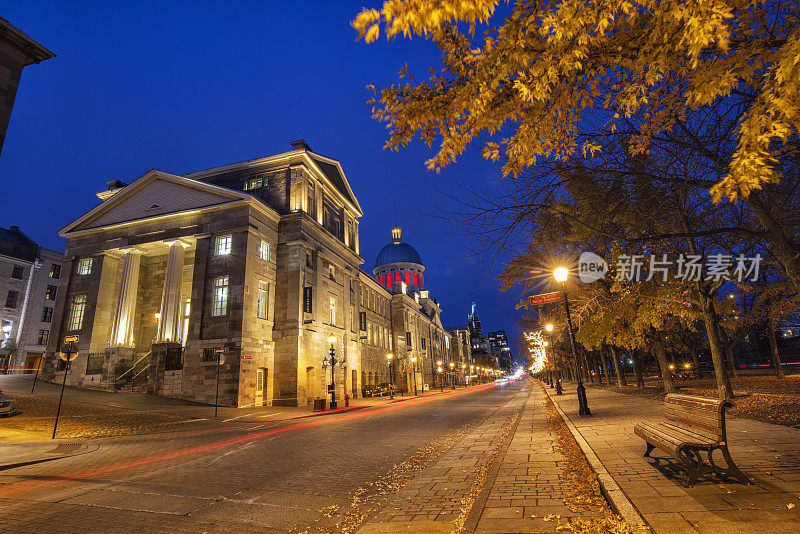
x: 694, y: 425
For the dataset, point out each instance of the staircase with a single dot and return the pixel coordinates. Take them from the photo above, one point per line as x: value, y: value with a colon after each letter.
x: 135, y: 378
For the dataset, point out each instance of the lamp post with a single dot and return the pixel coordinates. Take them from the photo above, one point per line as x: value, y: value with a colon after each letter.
x: 452, y: 381
x: 549, y: 364
x: 561, y: 275
x: 332, y: 386
x: 441, y: 376
x: 464, y: 372
x: 391, y: 379
x: 414, y: 362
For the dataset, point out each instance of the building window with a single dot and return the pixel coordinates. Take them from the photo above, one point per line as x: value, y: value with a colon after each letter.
x: 209, y: 355
x: 76, y: 312
x: 333, y: 310
x: 255, y: 182
x: 408, y: 339
x: 85, y: 266
x: 47, y: 314
x: 416, y: 279
x: 219, y: 305
x: 55, y: 270
x: 397, y: 276
x: 422, y: 343
x: 43, y: 336
x: 16, y: 272
x: 11, y: 298
x: 310, y: 259
x: 50, y: 294
x: 332, y: 271
x: 264, y: 251
x: 222, y: 246
x: 311, y: 200
x: 263, y: 298
x: 351, y: 236
x: 408, y: 278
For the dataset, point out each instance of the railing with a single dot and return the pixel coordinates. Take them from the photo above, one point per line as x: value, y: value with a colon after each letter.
x: 133, y: 368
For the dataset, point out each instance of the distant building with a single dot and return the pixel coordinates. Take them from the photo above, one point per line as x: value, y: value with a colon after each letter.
x: 254, y: 263
x: 498, y: 343
x: 481, y: 352
x: 28, y: 279
x: 17, y: 51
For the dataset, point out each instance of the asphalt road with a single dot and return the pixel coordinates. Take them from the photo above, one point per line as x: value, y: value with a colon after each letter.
x: 250, y: 476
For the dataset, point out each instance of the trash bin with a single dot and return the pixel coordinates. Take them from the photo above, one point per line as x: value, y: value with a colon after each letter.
x: 319, y: 405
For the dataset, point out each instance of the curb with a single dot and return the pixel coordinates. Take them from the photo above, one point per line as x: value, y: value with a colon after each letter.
x: 327, y: 412
x: 91, y: 446
x: 619, y: 502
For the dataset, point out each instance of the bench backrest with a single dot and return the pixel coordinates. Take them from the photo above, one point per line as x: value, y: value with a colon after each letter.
x: 703, y: 416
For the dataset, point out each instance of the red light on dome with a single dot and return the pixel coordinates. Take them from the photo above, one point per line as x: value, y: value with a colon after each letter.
x: 416, y: 279
x: 408, y: 278
x: 397, y: 276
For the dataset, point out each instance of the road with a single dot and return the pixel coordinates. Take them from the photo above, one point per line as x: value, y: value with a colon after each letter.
x: 296, y: 475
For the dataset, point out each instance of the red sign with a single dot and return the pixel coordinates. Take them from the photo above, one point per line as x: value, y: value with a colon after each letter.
x: 544, y: 298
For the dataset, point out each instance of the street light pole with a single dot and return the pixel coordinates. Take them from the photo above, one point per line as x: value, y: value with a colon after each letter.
x: 220, y: 361
x: 414, y: 363
x: 332, y: 341
x: 452, y: 382
x: 560, y: 275
x: 391, y: 378
x: 441, y: 377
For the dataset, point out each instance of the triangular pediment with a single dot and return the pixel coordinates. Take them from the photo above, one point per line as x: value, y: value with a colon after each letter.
x: 154, y: 194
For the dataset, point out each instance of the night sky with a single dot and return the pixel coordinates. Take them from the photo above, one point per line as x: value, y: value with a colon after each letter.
x: 183, y: 86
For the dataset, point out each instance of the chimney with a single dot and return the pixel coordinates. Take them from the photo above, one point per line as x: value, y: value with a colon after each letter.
x: 14, y: 229
x: 300, y: 144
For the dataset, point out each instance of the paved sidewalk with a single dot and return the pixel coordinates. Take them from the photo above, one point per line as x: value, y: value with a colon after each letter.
x: 768, y: 454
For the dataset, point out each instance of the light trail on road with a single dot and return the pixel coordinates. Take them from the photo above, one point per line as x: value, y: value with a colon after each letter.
x: 18, y: 487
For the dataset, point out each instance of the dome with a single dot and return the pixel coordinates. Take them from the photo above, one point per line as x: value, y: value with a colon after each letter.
x: 397, y: 251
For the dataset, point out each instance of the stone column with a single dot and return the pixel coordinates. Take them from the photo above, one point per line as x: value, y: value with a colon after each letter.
x: 169, y: 327
x: 122, y: 328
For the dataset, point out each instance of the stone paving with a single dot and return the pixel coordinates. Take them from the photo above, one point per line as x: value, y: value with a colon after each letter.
x: 768, y: 454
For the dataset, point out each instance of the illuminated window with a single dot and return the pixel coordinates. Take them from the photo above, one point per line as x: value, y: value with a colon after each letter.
x: 263, y: 297
x: 50, y: 294
x: 85, y: 266
x: 397, y: 276
x: 311, y: 201
x: 44, y: 335
x: 333, y: 310
x: 408, y: 278
x: 389, y: 280
x: 222, y: 247
x: 219, y: 305
x: 416, y: 279
x: 55, y: 270
x: 264, y: 251
x: 256, y: 182
x: 76, y: 310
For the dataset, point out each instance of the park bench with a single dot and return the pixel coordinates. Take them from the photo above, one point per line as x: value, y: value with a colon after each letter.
x: 694, y: 425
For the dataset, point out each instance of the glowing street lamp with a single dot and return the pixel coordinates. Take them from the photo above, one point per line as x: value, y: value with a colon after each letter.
x: 452, y: 382
x: 332, y: 362
x: 561, y: 274
x: 441, y: 377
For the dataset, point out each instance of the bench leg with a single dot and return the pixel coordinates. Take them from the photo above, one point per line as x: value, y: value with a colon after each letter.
x: 732, y: 470
x: 693, y: 462
x: 649, y: 449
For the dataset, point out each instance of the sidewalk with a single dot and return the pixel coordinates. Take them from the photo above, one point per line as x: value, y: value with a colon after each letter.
x: 507, y: 475
x: 768, y: 454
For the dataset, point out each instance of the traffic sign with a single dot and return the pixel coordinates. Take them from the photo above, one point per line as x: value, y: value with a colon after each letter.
x: 68, y: 356
x: 71, y: 339
x: 544, y: 298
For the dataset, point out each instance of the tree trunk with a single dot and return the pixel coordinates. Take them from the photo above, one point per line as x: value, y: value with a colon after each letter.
x: 773, y: 349
x: 637, y: 369
x: 696, y: 362
x: 728, y: 344
x: 710, y: 318
x: 620, y: 375
x: 587, y: 369
x: 661, y: 356
x: 605, y: 366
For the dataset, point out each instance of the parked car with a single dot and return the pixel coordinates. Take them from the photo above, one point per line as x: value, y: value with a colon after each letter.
x: 369, y: 390
x: 6, y: 404
x: 386, y: 388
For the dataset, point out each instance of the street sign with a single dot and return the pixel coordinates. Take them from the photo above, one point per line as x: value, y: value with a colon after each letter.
x: 71, y: 339
x: 65, y: 355
x: 544, y: 298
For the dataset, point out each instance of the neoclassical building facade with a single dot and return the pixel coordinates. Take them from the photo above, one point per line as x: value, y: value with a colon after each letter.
x: 245, y: 270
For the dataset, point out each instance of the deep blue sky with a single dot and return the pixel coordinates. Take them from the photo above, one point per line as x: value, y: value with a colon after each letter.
x: 183, y: 86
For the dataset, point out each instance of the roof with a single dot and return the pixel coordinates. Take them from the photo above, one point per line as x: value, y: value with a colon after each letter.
x: 332, y: 173
x: 397, y: 253
x: 34, y: 52
x: 15, y: 236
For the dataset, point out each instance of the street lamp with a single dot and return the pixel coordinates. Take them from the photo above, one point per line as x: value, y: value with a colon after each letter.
x: 561, y: 274
x: 414, y: 362
x: 452, y: 382
x: 391, y: 379
x: 550, y: 363
x: 441, y: 376
x: 332, y: 387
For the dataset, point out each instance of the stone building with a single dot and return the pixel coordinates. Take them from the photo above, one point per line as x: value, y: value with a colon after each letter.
x: 501, y: 351
x: 254, y: 266
x: 28, y: 281
x: 17, y: 51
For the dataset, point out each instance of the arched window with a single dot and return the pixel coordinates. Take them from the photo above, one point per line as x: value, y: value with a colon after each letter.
x: 397, y: 276
x: 389, y: 280
x: 408, y: 278
x: 416, y: 279
x: 421, y: 282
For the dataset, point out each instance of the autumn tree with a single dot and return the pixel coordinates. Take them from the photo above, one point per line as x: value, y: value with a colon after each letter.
x: 553, y: 80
